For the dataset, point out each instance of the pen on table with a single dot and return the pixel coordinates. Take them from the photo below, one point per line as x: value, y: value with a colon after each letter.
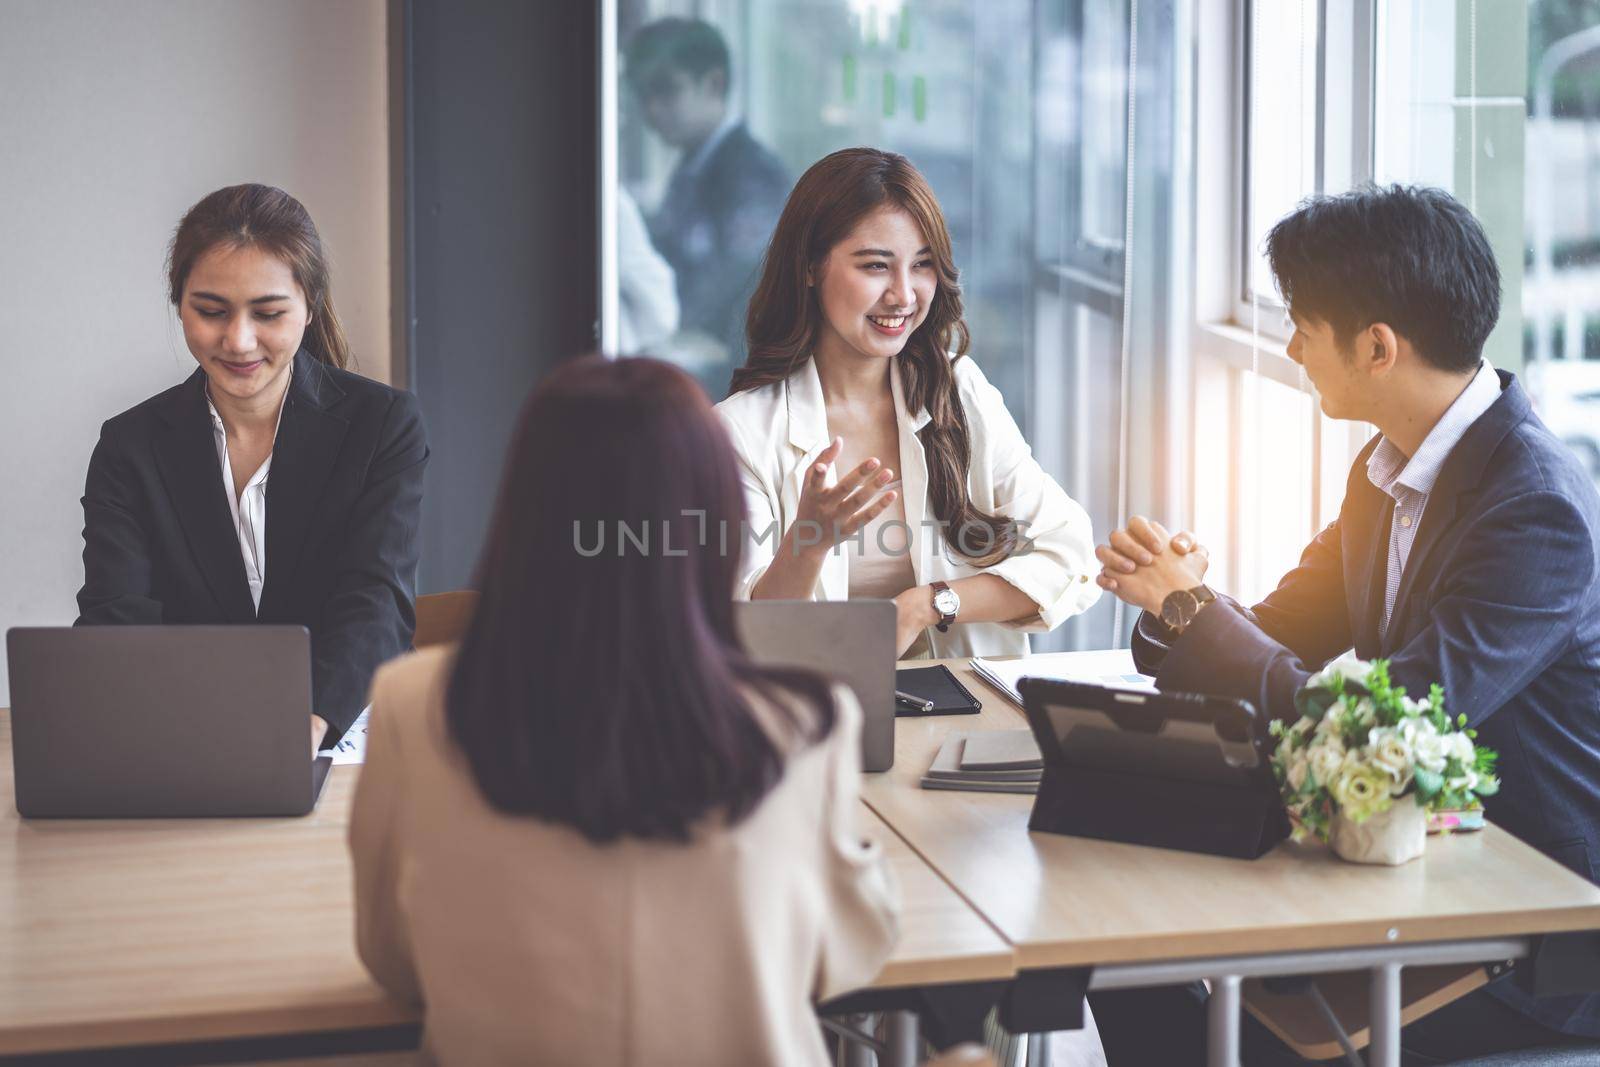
x: 915, y: 701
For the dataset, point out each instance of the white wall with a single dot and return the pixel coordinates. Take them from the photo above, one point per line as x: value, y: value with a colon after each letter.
x: 115, y: 117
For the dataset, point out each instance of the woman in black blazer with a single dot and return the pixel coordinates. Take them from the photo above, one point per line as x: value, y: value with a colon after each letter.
x: 273, y: 486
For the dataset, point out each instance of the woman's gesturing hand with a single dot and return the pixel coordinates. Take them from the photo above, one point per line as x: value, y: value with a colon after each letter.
x: 827, y: 515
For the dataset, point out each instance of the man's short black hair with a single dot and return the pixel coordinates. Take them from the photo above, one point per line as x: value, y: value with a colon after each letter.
x: 1408, y: 256
x: 692, y: 46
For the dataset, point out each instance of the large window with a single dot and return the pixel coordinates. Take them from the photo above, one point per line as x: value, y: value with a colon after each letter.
x: 948, y: 83
x: 1305, y: 96
x: 1015, y: 110
x: 1282, y: 40
x: 1282, y: 114
x: 1126, y: 312
x: 1561, y: 290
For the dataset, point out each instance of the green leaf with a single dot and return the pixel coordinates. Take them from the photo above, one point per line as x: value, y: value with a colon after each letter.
x: 1488, y: 787
x: 1429, y: 783
x: 1314, y: 703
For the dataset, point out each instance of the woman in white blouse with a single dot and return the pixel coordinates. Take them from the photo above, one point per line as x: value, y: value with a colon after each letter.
x: 273, y: 486
x: 858, y: 365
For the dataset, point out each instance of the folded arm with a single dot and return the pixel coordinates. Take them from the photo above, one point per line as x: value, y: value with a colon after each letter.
x: 1486, y: 635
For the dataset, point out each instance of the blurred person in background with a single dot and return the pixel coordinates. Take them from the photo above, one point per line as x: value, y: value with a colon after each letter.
x: 723, y: 198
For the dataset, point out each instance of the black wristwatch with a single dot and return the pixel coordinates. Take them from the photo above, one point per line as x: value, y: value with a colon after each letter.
x: 1180, y: 608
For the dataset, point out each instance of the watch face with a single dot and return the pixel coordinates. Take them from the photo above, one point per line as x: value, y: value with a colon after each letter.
x: 1179, y: 609
x: 946, y: 602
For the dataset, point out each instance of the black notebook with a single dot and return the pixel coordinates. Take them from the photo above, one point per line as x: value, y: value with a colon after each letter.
x: 937, y: 684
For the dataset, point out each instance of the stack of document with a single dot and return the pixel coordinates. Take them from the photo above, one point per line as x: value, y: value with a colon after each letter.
x: 987, y: 761
x: 1105, y: 667
x: 352, y: 747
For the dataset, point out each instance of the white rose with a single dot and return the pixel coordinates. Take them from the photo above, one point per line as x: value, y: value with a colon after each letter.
x: 1365, y: 712
x: 1361, y: 790
x: 1461, y: 748
x: 1348, y: 666
x: 1428, y: 749
x: 1297, y: 774
x: 1325, y: 761
x: 1390, y: 753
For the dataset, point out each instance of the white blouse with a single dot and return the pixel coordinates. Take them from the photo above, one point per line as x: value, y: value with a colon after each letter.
x: 779, y: 430
x: 249, y: 509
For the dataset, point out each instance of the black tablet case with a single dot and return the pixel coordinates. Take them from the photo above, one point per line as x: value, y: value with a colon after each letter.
x: 937, y: 684
x: 1114, y: 804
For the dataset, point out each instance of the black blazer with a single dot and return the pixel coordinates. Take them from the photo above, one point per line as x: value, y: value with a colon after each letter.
x: 343, y: 503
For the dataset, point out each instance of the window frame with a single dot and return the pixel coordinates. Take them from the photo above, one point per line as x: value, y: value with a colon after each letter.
x: 1234, y: 336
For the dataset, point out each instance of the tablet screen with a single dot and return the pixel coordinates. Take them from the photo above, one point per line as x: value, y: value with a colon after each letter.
x: 1179, y: 737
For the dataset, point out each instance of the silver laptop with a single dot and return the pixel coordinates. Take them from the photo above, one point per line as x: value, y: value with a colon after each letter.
x: 849, y: 640
x: 159, y: 721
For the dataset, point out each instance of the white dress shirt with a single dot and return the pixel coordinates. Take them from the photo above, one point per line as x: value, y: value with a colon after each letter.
x: 249, y: 509
x: 1409, y: 479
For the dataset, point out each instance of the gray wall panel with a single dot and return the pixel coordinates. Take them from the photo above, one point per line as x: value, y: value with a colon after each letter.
x: 501, y: 187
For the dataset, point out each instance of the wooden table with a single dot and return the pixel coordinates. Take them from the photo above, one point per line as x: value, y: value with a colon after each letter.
x: 120, y: 933
x: 1146, y: 916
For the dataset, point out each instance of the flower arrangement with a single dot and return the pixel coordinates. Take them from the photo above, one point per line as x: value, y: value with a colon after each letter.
x: 1361, y: 744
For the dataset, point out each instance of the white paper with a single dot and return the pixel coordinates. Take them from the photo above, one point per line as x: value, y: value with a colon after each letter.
x: 352, y: 747
x: 1112, y: 666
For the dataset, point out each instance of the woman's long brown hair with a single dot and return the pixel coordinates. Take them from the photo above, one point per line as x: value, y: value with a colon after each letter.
x: 604, y: 687
x: 785, y: 319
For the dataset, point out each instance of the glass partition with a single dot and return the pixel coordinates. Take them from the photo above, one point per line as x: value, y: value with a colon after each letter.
x: 1015, y: 110
x: 945, y: 82
x: 1139, y: 342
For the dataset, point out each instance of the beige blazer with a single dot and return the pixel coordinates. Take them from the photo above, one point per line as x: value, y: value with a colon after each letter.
x: 778, y: 432
x: 527, y: 944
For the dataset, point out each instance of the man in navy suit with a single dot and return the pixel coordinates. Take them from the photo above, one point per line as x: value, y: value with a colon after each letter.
x: 725, y: 194
x: 1466, y: 552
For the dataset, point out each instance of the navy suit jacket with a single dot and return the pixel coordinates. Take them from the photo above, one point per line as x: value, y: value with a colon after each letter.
x: 343, y: 503
x: 1498, y: 603
x: 713, y: 228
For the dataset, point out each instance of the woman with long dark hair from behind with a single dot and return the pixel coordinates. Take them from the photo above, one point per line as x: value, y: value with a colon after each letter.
x: 180, y: 518
x: 598, y: 813
x: 858, y: 364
